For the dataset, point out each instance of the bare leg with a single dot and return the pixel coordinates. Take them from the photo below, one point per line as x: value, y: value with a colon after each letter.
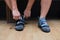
x: 45, y: 5
x: 8, y: 2
x: 13, y: 6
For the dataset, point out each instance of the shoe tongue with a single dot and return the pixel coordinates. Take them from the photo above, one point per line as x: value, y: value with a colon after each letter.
x: 20, y: 18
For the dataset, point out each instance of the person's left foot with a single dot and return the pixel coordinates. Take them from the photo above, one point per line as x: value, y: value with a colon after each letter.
x: 43, y: 25
x: 20, y: 24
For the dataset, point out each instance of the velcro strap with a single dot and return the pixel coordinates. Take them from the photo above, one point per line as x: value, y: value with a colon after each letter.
x: 20, y: 22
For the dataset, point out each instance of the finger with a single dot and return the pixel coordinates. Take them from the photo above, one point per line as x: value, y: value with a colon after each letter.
x: 26, y: 16
x: 16, y: 17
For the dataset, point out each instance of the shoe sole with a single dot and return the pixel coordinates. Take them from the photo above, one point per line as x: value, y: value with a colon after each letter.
x: 42, y: 29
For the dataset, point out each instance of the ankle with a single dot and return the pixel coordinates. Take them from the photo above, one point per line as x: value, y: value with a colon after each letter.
x: 42, y: 18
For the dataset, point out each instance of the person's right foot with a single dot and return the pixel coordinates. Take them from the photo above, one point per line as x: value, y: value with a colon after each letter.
x: 20, y: 24
x: 43, y: 25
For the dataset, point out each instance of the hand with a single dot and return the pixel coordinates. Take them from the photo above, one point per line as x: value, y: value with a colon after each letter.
x: 16, y: 14
x: 27, y: 13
